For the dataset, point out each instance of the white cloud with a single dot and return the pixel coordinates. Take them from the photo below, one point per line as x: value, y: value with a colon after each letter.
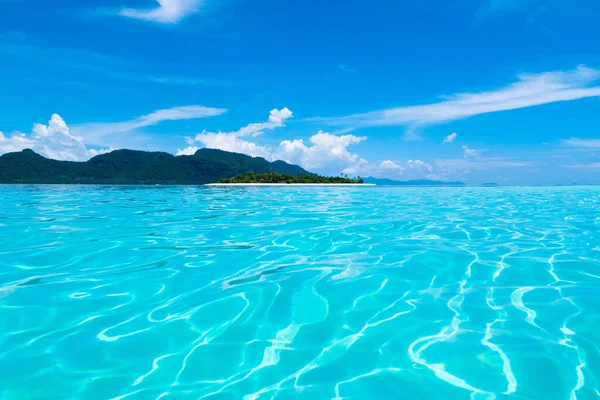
x: 94, y: 132
x: 167, y: 12
x: 450, y: 138
x: 595, y: 165
x: 326, y: 150
x: 188, y: 151
x: 386, y: 168
x: 17, y: 142
x: 419, y: 165
x: 177, y: 113
x: 232, y: 142
x: 583, y: 143
x: 411, y: 169
x: 470, y: 152
x: 530, y: 90
x: 323, y: 150
x: 330, y: 153
x: 360, y: 167
x: 389, y: 165
x: 276, y: 120
x: 53, y: 141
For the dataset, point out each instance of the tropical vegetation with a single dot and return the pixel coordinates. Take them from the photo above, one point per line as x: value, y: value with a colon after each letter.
x: 274, y: 177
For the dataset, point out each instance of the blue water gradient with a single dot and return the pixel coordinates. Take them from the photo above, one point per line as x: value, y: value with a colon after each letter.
x: 299, y: 293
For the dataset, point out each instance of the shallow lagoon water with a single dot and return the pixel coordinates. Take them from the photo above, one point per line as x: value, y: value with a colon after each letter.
x: 292, y: 293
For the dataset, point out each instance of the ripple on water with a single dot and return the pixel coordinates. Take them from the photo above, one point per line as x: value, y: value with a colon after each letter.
x: 186, y: 292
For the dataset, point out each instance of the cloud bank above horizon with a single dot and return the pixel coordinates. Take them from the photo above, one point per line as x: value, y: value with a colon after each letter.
x: 321, y: 150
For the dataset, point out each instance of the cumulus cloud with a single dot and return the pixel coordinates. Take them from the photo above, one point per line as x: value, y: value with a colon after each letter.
x: 419, y: 165
x: 529, y: 90
x: 167, y: 11
x: 329, y: 153
x: 386, y: 168
x: 53, y: 141
x: 188, y: 151
x: 468, y: 152
x: 450, y: 138
x: 232, y: 142
x: 325, y: 149
x: 411, y: 169
x: 360, y: 167
x: 17, y: 142
x: 322, y: 150
x: 389, y: 165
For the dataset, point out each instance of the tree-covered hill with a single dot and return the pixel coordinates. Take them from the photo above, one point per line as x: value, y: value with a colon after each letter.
x: 137, y: 167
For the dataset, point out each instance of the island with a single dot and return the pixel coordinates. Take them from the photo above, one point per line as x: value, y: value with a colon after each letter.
x: 274, y: 178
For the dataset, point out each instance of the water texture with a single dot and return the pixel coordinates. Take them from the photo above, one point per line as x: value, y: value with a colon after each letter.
x: 299, y: 293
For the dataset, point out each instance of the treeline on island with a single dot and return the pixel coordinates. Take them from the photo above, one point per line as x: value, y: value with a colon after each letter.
x: 274, y: 177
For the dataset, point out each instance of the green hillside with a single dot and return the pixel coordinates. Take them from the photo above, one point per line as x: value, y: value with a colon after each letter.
x: 137, y: 167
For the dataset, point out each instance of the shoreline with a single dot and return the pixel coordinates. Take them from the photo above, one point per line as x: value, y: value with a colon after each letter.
x: 293, y: 184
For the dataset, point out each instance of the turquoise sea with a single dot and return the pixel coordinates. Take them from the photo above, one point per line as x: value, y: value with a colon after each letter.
x: 299, y: 293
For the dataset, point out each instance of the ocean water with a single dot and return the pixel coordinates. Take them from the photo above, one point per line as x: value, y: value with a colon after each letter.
x: 299, y: 293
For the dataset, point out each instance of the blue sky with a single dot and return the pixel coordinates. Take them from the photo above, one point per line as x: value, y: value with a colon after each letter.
x: 475, y: 90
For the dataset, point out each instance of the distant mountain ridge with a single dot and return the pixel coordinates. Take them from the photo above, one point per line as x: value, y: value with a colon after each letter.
x: 419, y: 182
x: 137, y: 167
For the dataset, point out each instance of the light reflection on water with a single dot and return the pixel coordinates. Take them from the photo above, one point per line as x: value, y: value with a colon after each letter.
x: 230, y: 293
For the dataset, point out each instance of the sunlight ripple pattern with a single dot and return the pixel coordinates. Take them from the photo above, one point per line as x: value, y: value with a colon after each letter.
x: 299, y: 293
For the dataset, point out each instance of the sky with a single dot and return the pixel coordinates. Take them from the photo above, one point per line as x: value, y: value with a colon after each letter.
x: 504, y: 91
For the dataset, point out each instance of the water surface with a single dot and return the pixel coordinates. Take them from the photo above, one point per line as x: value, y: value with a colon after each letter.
x: 294, y: 293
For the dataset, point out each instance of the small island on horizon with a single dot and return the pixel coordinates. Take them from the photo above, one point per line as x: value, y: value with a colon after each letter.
x: 277, y: 178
